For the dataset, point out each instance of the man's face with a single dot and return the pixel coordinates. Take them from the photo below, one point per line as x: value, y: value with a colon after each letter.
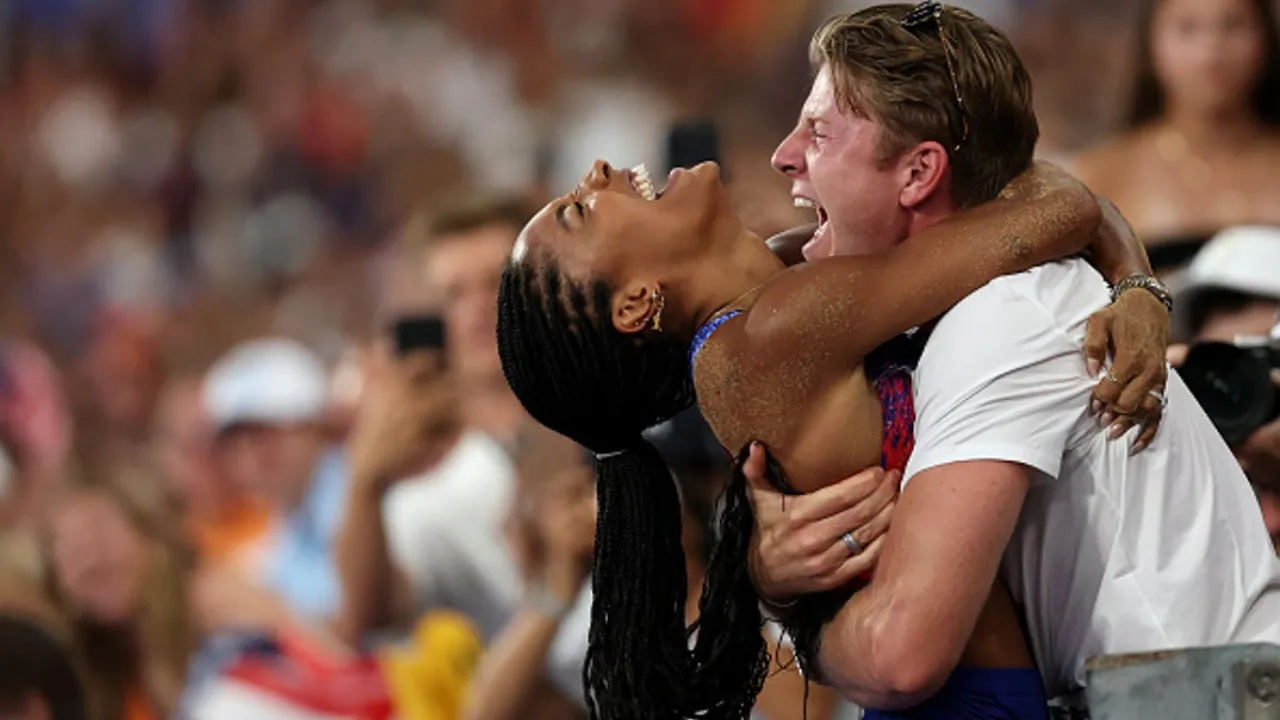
x: 831, y: 158
x: 273, y: 462
x: 466, y: 269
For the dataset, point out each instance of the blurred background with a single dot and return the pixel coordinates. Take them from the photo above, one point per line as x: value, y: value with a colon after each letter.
x: 257, y: 458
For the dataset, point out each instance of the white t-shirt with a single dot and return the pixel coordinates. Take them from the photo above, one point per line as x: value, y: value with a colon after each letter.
x: 444, y: 531
x: 1112, y: 553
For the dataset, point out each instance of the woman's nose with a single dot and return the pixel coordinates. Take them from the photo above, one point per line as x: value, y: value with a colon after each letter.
x: 599, y: 177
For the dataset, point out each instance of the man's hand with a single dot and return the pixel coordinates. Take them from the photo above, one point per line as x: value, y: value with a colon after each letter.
x: 797, y: 547
x: 408, y: 413
x: 1135, y: 328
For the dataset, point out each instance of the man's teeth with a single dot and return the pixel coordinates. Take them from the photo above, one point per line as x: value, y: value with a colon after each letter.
x: 804, y: 202
x: 643, y: 184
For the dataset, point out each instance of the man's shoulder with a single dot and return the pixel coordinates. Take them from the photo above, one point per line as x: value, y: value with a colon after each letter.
x: 1055, y: 295
x: 1011, y: 325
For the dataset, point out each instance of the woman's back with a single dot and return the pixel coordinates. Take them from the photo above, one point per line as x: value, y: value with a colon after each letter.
x: 820, y: 426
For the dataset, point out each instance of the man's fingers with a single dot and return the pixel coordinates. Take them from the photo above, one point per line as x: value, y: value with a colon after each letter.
x: 854, y: 519
x: 834, y: 499
x: 871, y: 531
x: 854, y: 566
x: 1095, y: 342
x: 755, y: 468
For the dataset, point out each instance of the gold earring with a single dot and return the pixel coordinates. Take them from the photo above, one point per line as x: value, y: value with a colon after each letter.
x: 661, y: 301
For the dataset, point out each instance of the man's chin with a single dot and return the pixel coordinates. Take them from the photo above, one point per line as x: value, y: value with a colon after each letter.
x: 820, y: 245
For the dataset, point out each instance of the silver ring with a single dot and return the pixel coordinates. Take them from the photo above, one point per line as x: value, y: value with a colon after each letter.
x: 1160, y: 397
x: 855, y: 547
x: 1111, y: 376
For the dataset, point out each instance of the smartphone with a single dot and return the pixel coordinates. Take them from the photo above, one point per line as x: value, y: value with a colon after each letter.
x: 694, y: 141
x: 418, y: 332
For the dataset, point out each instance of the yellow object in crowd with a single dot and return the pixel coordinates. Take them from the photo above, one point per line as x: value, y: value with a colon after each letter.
x: 428, y: 679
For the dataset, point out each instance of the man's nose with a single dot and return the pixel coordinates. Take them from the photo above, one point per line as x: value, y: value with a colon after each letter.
x: 788, y: 159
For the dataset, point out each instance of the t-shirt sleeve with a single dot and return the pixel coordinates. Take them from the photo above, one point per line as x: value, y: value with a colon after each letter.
x: 1000, y: 379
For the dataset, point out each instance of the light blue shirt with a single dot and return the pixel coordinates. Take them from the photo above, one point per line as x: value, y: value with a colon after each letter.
x: 299, y: 563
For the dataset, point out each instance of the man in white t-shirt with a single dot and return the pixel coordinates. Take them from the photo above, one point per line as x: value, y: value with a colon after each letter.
x: 439, y: 531
x: 1106, y: 550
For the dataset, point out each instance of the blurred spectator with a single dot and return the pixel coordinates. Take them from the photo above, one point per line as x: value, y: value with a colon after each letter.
x: 223, y: 521
x: 1202, y: 137
x: 438, y: 528
x: 1233, y: 294
x: 266, y: 401
x: 120, y: 573
x: 38, y: 679
x: 534, y: 666
x: 140, y: 607
x: 35, y: 433
x: 463, y: 250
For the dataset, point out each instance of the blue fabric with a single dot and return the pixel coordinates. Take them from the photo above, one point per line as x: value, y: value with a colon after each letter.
x: 300, y: 564
x: 705, y: 332
x: 980, y: 694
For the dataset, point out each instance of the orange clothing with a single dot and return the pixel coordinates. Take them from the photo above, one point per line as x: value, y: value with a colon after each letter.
x: 222, y: 538
x: 137, y: 706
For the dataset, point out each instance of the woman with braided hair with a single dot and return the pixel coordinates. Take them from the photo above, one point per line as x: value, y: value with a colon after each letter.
x: 618, y: 301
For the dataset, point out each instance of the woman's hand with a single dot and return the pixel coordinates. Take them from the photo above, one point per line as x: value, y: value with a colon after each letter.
x: 1135, y: 329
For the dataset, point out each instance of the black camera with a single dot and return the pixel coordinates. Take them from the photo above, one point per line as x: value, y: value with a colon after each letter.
x: 1233, y: 383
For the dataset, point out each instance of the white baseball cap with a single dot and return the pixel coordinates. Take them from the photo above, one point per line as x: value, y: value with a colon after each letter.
x: 1243, y: 259
x: 272, y: 381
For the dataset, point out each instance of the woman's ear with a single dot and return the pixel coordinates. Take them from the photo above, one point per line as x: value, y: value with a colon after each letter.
x: 635, y: 306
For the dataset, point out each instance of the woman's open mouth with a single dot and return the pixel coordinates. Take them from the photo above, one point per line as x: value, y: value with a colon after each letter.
x: 642, y: 183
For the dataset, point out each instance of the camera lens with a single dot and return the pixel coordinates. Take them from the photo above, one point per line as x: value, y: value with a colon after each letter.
x: 1233, y: 385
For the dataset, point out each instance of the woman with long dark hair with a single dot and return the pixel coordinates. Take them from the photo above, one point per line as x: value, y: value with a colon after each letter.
x: 1201, y: 138
x: 611, y: 294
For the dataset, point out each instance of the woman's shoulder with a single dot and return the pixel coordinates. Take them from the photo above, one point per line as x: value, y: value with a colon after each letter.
x: 1105, y: 163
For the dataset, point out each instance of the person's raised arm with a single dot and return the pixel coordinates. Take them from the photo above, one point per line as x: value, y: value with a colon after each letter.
x: 850, y: 305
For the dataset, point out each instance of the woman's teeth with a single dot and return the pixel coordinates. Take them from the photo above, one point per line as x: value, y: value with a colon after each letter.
x: 642, y: 183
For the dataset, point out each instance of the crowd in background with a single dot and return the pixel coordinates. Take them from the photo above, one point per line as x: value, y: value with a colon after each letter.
x: 215, y: 462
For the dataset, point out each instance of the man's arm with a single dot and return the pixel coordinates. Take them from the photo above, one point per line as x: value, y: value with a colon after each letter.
x: 407, y: 418
x: 894, y: 644
x: 991, y: 415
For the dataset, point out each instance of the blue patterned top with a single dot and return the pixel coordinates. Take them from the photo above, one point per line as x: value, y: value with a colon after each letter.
x: 705, y: 332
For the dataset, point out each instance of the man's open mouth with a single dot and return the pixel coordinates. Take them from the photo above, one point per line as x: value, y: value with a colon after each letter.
x: 818, y: 234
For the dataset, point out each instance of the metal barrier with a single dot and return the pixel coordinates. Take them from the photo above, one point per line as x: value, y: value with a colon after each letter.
x: 1233, y: 682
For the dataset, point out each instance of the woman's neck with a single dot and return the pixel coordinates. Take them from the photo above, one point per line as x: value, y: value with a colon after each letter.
x: 1213, y: 133
x: 728, y: 281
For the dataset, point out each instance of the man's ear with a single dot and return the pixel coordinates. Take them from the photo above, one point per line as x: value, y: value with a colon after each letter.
x: 634, y: 307
x: 923, y: 169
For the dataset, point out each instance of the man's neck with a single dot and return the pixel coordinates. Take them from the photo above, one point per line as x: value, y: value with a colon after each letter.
x: 928, y: 215
x: 490, y: 407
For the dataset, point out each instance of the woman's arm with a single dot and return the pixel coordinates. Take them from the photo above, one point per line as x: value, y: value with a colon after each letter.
x: 1116, y: 251
x: 848, y: 306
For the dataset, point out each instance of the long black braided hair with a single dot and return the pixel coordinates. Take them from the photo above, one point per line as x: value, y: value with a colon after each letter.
x: 576, y: 374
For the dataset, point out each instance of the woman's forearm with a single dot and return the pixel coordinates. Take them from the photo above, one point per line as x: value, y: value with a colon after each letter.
x: 1116, y: 252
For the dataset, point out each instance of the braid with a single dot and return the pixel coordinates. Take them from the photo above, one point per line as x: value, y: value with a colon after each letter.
x: 804, y: 622
x: 579, y: 376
